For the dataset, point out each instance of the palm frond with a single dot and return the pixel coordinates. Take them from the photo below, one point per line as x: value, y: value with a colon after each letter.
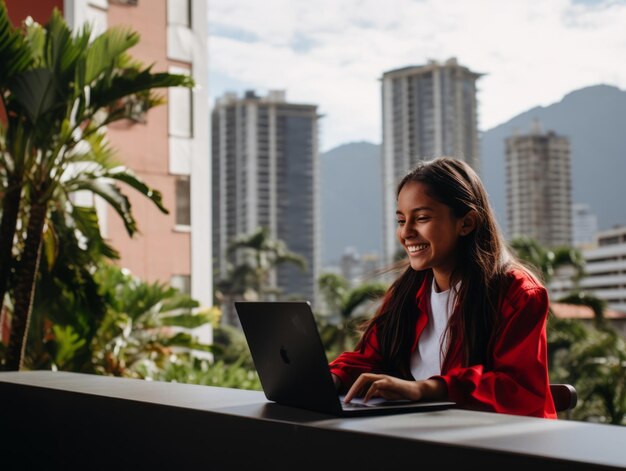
x: 105, y: 51
x: 127, y: 176
x: 60, y: 51
x: 132, y: 82
x: 33, y: 90
x: 15, y: 53
x: 84, y: 220
x: 113, y: 195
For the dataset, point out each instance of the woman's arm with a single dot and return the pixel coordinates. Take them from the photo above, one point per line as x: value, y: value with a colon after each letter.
x: 518, y: 382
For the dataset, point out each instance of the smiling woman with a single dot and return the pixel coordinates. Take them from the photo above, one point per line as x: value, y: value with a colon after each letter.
x: 466, y: 321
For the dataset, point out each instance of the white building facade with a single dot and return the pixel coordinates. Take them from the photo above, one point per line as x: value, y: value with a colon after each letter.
x: 605, y: 267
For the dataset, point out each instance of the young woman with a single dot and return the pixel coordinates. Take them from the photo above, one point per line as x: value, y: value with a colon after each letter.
x: 466, y: 321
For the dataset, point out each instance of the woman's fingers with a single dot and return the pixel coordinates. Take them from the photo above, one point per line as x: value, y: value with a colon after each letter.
x: 362, y: 384
x: 380, y: 387
x: 372, y: 391
x: 369, y: 385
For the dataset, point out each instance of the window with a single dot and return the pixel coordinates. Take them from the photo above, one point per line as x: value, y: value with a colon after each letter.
x: 179, y: 12
x: 183, y: 201
x: 181, y: 283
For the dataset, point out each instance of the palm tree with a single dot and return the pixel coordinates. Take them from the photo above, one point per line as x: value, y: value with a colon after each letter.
x: 344, y: 302
x: 261, y: 254
x: 549, y: 261
x: 16, y: 58
x: 58, y: 104
x: 256, y: 256
x: 67, y: 294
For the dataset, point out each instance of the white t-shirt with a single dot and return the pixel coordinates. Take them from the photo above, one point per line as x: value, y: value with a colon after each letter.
x: 427, y: 358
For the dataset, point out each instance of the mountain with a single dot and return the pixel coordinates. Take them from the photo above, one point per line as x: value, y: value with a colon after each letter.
x: 351, y: 200
x: 593, y: 118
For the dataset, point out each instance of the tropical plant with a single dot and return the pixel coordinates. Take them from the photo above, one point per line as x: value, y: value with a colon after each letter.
x: 549, y: 261
x: 594, y: 360
x: 67, y: 297
x: 231, y: 365
x: 145, y: 326
x: 233, y: 346
x: 59, y: 92
x: 210, y: 373
x: 338, y: 327
x: 254, y: 257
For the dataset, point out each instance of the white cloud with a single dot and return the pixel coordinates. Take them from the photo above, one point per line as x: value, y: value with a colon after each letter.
x: 332, y: 52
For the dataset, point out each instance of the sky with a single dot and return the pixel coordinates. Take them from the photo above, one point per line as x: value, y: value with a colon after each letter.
x: 332, y: 53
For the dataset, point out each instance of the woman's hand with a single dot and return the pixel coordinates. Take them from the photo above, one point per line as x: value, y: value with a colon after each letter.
x: 371, y: 385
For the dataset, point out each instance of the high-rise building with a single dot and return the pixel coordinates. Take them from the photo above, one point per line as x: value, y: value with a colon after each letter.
x: 428, y: 111
x: 538, y: 188
x: 265, y: 174
x: 168, y: 148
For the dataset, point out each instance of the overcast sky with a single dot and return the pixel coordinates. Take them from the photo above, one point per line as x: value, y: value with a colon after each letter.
x: 332, y: 53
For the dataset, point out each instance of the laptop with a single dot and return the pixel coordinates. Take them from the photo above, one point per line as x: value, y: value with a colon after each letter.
x: 291, y: 362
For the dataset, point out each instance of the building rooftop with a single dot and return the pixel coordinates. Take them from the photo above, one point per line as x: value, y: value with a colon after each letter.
x: 575, y: 311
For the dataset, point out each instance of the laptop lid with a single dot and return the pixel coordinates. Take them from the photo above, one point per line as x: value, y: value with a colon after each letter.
x: 291, y: 362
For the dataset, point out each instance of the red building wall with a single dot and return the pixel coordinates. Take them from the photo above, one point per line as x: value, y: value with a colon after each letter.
x: 40, y: 10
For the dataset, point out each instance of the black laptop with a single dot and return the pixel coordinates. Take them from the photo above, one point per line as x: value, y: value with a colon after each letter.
x: 291, y: 362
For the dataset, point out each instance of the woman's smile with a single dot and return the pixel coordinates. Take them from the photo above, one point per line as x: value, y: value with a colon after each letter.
x: 415, y: 249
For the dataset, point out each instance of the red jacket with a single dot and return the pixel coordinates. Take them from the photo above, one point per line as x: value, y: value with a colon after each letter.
x: 518, y: 382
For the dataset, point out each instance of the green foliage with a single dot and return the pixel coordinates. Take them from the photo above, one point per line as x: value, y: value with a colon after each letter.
x: 338, y: 337
x: 59, y: 91
x: 145, y: 324
x: 594, y: 361
x: 67, y: 294
x: 253, y: 258
x: 339, y: 328
x: 15, y: 53
x: 68, y: 343
x: 210, y: 373
x: 233, y: 346
x: 256, y: 255
x: 547, y: 261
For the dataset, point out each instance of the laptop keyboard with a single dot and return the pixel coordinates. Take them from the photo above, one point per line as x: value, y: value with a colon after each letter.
x: 355, y: 405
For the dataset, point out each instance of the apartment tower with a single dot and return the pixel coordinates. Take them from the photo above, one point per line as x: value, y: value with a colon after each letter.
x: 265, y: 174
x: 428, y: 111
x: 538, y: 188
x: 168, y: 147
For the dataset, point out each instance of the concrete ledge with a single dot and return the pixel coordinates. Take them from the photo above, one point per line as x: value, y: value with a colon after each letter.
x: 75, y: 421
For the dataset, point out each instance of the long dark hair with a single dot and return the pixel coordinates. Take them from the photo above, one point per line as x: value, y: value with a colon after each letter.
x: 483, y: 270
